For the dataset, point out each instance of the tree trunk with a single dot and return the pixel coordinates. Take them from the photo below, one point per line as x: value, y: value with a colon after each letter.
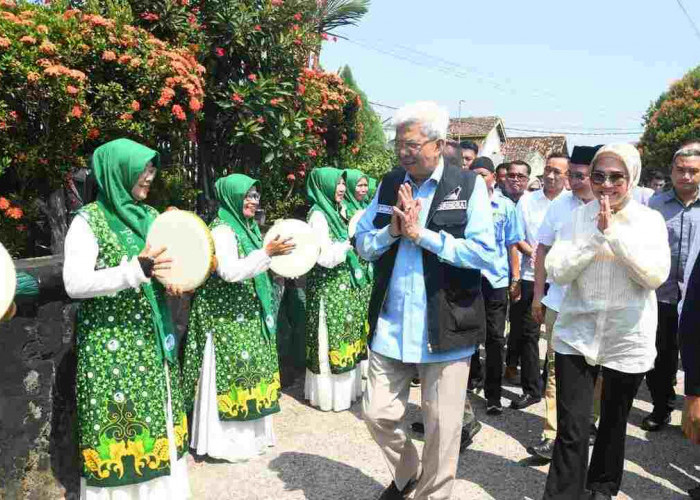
x: 56, y: 214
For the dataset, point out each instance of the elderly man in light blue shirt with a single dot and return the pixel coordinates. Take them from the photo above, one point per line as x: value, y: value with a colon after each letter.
x: 429, y: 231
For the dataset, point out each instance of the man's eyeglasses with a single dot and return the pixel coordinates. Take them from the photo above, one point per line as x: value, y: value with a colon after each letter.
x: 253, y: 196
x: 615, y: 178
x: 577, y: 176
x: 411, y: 146
x: 517, y: 177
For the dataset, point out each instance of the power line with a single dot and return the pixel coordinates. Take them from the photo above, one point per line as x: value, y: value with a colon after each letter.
x: 611, y: 131
x: 690, y: 19
x: 570, y: 132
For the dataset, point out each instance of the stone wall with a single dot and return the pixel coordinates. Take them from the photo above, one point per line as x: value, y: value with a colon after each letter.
x: 37, y: 396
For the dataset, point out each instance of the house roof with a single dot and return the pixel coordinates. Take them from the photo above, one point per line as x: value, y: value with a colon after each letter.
x: 475, y: 127
x: 520, y: 148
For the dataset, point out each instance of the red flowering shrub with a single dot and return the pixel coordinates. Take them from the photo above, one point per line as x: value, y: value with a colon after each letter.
x: 70, y: 81
x: 673, y: 119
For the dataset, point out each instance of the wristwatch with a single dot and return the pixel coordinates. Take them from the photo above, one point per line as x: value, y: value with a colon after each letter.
x: 515, y: 281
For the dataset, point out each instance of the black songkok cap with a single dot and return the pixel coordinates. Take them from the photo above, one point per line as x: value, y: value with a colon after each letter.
x: 482, y: 162
x: 583, y: 155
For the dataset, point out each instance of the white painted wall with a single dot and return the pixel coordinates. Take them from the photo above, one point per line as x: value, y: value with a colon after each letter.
x: 491, y: 147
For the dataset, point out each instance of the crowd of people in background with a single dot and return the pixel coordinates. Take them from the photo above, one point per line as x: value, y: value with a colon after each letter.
x: 451, y: 252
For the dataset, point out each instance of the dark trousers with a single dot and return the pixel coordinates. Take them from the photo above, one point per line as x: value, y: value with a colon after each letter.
x: 661, y: 378
x: 495, y: 303
x: 575, y: 383
x: 523, y: 341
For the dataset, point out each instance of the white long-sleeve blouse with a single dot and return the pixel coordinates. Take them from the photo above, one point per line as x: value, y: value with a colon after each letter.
x: 609, y: 313
x: 230, y: 266
x: 83, y: 278
x: 333, y: 253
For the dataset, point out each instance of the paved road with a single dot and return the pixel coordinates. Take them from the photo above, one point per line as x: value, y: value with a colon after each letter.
x: 330, y: 456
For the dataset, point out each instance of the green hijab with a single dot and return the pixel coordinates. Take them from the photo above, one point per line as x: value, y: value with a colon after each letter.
x: 353, y: 177
x: 372, y: 189
x: 117, y: 166
x: 320, y: 188
x: 231, y: 192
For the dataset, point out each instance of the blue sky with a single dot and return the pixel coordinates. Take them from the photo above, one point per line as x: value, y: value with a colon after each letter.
x: 547, y: 65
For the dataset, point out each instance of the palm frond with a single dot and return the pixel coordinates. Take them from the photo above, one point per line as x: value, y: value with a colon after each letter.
x: 338, y: 13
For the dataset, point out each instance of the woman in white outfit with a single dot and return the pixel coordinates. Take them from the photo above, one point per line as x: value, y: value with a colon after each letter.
x: 612, y: 254
x: 231, y: 369
x: 336, y: 339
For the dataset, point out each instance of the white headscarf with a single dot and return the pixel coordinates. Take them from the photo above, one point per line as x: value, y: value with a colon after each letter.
x: 628, y: 155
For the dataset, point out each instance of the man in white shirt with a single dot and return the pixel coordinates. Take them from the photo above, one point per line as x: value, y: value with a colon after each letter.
x: 523, y: 327
x: 546, y: 309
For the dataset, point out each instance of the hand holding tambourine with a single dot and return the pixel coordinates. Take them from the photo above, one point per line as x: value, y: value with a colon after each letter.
x: 188, y: 248
x: 298, y: 246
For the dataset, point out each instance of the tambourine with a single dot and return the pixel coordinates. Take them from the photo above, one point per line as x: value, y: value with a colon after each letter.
x: 8, y: 280
x: 354, y: 221
x: 189, y: 243
x: 304, y: 256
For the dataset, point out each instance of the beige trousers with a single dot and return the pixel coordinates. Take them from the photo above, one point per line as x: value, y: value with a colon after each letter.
x: 550, y: 391
x: 550, y: 394
x: 443, y: 391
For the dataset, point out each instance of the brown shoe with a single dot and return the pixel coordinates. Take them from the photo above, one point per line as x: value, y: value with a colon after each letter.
x: 511, y: 374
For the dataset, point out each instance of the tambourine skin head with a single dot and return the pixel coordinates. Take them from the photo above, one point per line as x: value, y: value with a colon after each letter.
x: 189, y: 243
x: 8, y: 280
x: 304, y: 256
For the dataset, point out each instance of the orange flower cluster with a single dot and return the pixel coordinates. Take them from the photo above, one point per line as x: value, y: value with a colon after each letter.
x: 178, y: 112
x: 15, y: 213
x: 60, y: 70
x: 4, y: 42
x: 47, y: 48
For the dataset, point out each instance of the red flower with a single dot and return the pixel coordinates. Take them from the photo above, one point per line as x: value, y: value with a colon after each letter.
x: 14, y: 115
x: 178, y: 112
x: 291, y: 178
x: 126, y: 116
x: 313, y: 153
x: 276, y: 101
x: 257, y: 27
x: 14, y: 213
x: 297, y: 41
x: 237, y: 98
x: 219, y: 52
x: 309, y: 123
x: 93, y: 134
x: 355, y: 150
x: 135, y: 105
x: 260, y: 120
x: 72, y: 90
x: 277, y: 3
x: 195, y: 105
x: 43, y: 161
x: 76, y: 112
x: 301, y: 174
x: 4, y: 203
x: 252, y: 77
x: 295, y: 27
x: 297, y: 16
x: 150, y: 16
x: 301, y: 88
x: 192, y: 19
x: 324, y: 36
